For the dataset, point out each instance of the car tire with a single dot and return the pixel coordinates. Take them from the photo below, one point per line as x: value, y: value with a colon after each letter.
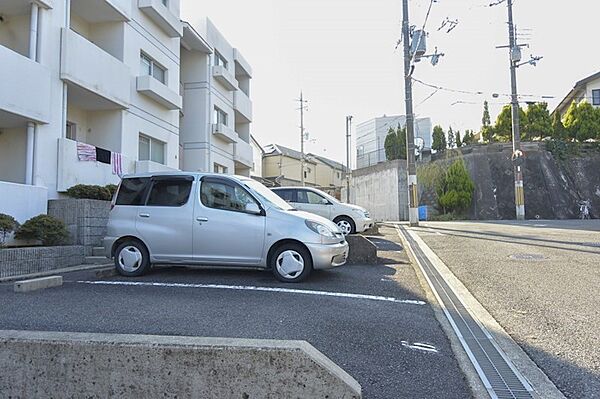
x: 132, y: 259
x: 291, y: 263
x: 346, y: 225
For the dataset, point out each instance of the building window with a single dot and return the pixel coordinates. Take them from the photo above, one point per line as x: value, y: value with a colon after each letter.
x: 71, y: 131
x: 305, y: 175
x: 220, y: 168
x: 150, y: 149
x: 338, y: 175
x: 165, y: 3
x: 220, y: 60
x: 148, y: 66
x: 595, y: 97
x: 220, y: 116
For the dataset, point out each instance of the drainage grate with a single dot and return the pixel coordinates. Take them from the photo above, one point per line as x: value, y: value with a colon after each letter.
x: 498, y: 375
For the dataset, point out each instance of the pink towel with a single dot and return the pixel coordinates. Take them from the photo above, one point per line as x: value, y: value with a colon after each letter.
x: 117, y: 163
x: 86, y: 152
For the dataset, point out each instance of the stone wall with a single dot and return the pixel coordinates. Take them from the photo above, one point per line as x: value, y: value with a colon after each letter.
x: 85, y: 219
x: 22, y: 261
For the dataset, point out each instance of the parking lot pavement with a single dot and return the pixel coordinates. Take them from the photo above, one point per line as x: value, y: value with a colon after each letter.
x: 373, y: 320
x: 539, y: 280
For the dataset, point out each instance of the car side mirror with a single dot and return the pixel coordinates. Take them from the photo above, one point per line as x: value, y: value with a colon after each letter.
x: 253, y: 208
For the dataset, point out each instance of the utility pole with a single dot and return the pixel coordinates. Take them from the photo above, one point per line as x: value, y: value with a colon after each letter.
x: 413, y: 201
x: 515, y: 58
x: 348, y: 168
x: 302, y: 108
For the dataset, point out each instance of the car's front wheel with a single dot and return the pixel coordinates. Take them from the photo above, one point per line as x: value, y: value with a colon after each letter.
x: 132, y: 259
x: 346, y: 225
x: 291, y: 263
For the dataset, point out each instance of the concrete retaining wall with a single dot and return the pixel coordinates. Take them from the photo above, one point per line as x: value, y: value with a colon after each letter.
x: 22, y: 261
x: 85, y: 219
x: 53, y: 364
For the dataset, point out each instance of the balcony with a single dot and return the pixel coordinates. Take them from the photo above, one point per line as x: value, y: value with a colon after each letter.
x: 242, y: 154
x: 242, y: 67
x: 225, y: 133
x: 90, y: 68
x: 223, y: 76
x: 151, y: 166
x: 25, y: 94
x: 99, y: 11
x: 159, y: 92
x: 162, y: 16
x: 72, y: 171
x: 242, y: 105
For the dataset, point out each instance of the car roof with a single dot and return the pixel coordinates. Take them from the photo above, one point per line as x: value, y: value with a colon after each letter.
x: 296, y: 188
x: 182, y: 173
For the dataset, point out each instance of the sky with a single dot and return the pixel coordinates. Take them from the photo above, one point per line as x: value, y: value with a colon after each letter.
x: 341, y: 54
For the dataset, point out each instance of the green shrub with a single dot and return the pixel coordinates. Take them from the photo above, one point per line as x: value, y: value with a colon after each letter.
x: 8, y: 224
x: 112, y: 189
x: 47, y: 229
x: 455, y: 189
x: 84, y: 191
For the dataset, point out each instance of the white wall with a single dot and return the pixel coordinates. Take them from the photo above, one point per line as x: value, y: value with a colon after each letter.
x: 21, y: 201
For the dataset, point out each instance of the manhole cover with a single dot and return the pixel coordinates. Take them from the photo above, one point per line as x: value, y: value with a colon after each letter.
x: 527, y: 257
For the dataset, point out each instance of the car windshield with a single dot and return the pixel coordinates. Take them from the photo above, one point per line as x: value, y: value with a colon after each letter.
x: 267, y: 195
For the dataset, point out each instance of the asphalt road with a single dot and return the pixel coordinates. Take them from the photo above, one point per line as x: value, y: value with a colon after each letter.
x: 376, y: 340
x: 541, y: 281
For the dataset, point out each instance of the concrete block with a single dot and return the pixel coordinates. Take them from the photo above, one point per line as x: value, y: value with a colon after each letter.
x: 38, y: 283
x: 361, y: 250
x: 56, y: 364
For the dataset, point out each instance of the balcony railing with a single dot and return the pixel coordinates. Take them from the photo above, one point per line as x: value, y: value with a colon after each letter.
x: 242, y: 105
x: 88, y: 66
x: 25, y: 87
x: 224, y: 133
x: 242, y: 153
x: 159, y: 92
x: 162, y: 16
x: 226, y: 78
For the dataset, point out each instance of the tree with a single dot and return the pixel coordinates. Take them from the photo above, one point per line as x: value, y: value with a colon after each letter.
x: 458, y: 141
x: 539, y: 122
x: 8, y: 224
x: 451, y: 138
x: 455, y: 189
x: 439, y: 139
x: 503, y: 127
x: 468, y: 138
x: 582, y: 121
x: 395, y: 144
x: 558, y: 129
x: 486, y: 124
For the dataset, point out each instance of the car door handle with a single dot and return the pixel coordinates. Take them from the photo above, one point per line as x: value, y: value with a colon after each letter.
x: 202, y: 219
x: 144, y: 215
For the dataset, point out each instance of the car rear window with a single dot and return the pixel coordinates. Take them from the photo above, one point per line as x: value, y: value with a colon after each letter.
x: 132, y: 191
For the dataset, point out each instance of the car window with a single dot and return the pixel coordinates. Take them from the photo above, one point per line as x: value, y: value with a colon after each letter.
x: 225, y: 196
x: 132, y: 191
x: 286, y: 195
x: 301, y: 198
x: 170, y: 192
x: 314, y: 198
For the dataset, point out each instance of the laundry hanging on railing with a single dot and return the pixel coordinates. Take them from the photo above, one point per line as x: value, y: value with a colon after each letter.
x: 117, y: 163
x: 86, y: 152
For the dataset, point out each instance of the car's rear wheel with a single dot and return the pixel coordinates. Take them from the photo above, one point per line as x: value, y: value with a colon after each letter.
x: 291, y: 263
x: 346, y: 225
x: 132, y: 259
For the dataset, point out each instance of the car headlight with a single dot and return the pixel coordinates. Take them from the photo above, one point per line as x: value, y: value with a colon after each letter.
x: 320, y: 229
x: 362, y: 213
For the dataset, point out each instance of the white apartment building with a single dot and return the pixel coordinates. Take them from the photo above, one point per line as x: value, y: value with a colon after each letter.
x: 217, y: 110
x: 370, y: 137
x: 88, y: 80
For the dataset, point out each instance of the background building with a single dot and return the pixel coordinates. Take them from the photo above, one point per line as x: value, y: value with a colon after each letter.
x: 257, y: 156
x: 217, y: 111
x: 370, y: 137
x: 587, y: 89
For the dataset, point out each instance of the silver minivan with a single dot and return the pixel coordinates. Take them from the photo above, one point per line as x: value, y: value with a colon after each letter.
x: 216, y: 220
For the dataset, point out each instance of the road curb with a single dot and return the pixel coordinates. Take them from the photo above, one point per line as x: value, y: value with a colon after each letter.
x: 543, y: 386
x: 38, y: 284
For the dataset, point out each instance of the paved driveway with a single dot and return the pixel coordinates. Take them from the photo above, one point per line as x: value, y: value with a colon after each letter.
x: 372, y: 320
x: 541, y: 281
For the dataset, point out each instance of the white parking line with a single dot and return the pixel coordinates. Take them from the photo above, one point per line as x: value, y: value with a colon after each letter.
x: 254, y: 288
x: 419, y: 346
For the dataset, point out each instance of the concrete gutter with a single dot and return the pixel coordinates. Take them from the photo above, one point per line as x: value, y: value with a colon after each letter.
x: 60, y: 364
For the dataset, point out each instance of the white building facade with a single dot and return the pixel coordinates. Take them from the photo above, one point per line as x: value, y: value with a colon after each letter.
x: 587, y: 89
x: 370, y: 137
x: 217, y: 110
x: 93, y: 89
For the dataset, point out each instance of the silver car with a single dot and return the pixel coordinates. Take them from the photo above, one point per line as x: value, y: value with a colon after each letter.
x: 220, y: 220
